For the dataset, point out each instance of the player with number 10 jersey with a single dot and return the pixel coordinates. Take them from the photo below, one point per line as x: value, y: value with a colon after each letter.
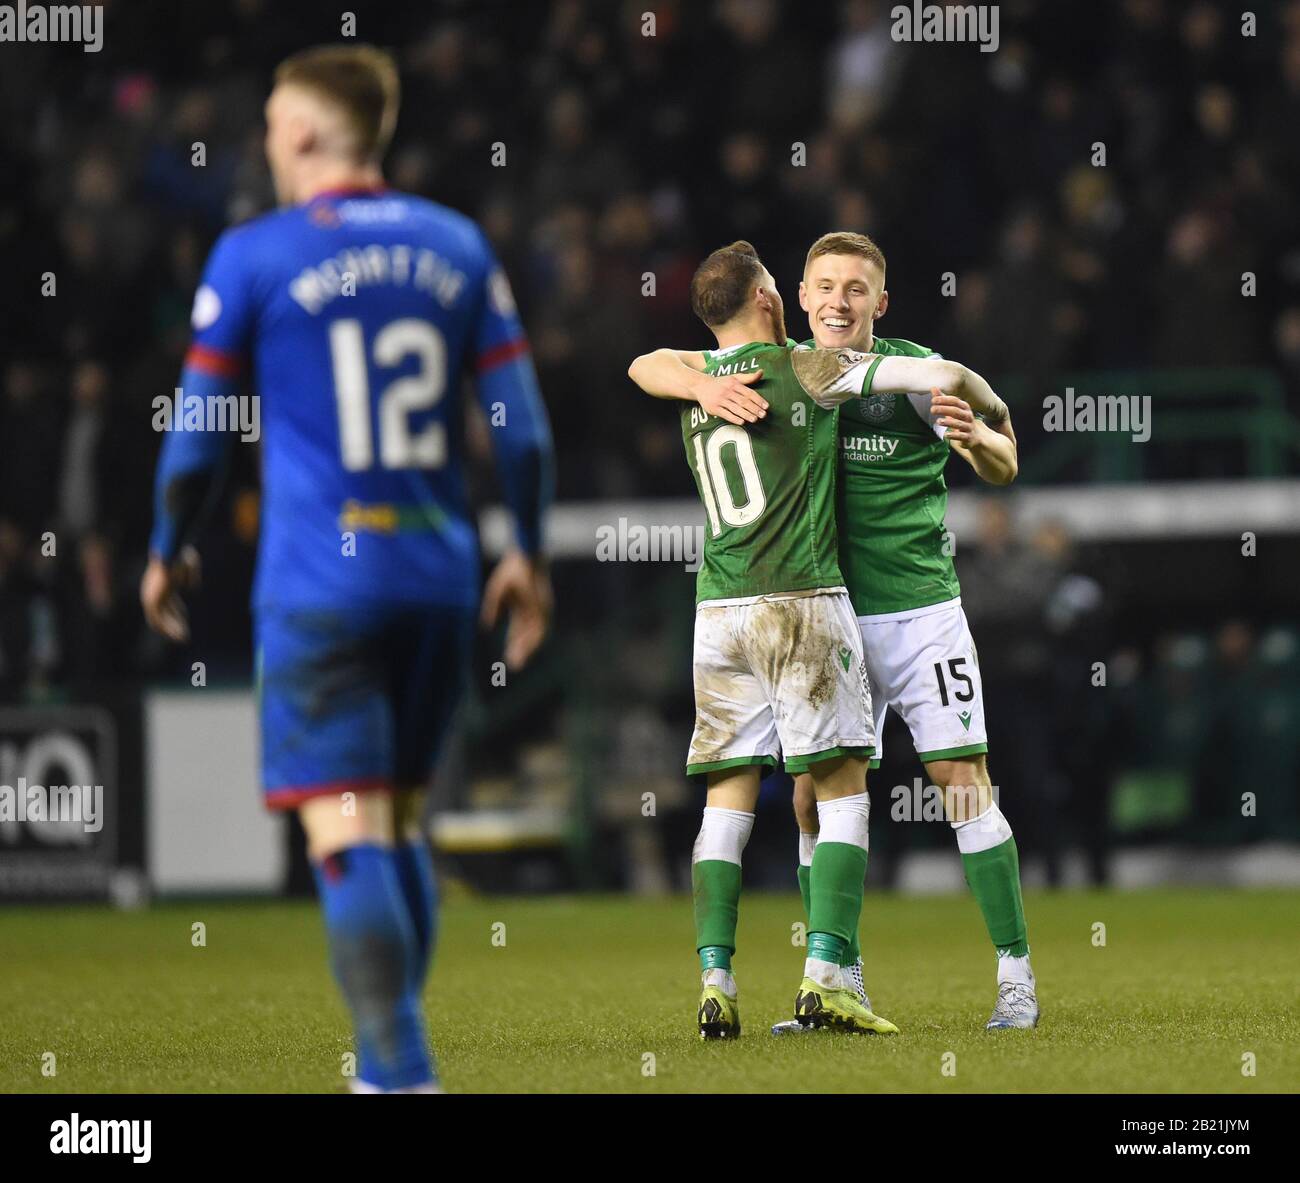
x: 777, y: 665
x: 773, y: 612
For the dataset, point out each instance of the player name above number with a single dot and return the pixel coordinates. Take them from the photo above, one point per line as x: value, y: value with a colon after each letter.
x: 365, y: 266
x: 735, y: 367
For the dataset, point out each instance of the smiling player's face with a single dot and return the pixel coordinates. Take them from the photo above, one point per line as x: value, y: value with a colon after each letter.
x: 843, y: 295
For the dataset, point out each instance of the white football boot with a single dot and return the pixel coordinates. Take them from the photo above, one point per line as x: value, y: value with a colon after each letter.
x: 357, y: 1085
x: 1017, y: 1004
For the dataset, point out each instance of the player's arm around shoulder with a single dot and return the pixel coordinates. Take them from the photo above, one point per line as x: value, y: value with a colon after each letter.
x: 940, y: 375
x: 905, y: 375
x: 679, y: 374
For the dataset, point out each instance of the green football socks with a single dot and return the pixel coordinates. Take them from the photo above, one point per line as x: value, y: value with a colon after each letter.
x: 994, y: 878
x: 835, y: 900
x: 717, y: 905
x: 853, y: 949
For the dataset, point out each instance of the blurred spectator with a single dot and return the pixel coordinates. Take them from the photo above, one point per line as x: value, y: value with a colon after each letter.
x: 629, y: 155
x: 864, y: 67
x: 31, y: 423
x: 1007, y: 584
x: 79, y: 491
x: 1086, y: 734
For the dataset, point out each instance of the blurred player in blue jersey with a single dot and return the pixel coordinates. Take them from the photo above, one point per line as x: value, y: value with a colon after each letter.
x: 357, y: 312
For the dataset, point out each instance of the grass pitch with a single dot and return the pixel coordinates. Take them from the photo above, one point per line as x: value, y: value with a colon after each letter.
x: 598, y: 994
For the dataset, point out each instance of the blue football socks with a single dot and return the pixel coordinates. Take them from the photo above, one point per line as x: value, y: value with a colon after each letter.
x: 420, y: 891
x: 374, y: 952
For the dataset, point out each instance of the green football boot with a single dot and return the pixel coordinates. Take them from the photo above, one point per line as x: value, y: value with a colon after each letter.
x: 719, y: 1013
x: 837, y: 1010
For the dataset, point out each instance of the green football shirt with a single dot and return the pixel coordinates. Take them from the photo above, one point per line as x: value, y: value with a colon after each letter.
x: 768, y: 488
x: 892, y: 496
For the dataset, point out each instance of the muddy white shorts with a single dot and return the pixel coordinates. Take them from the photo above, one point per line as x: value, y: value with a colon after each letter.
x: 779, y: 676
x: 923, y: 665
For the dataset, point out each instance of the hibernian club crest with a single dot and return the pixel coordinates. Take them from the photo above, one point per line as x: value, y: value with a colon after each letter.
x: 877, y: 408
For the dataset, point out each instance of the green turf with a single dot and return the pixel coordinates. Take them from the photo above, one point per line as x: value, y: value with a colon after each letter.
x: 584, y: 990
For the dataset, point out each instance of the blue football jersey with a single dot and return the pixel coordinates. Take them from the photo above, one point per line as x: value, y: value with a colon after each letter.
x: 358, y: 315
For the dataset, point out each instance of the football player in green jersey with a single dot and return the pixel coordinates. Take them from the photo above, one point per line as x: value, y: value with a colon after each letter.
x: 896, y: 557
x: 778, y: 654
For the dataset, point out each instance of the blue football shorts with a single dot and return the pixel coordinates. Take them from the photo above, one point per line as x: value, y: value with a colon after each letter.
x: 358, y: 699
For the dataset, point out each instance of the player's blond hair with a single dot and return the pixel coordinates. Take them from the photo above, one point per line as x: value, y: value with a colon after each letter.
x: 360, y: 81
x: 845, y: 242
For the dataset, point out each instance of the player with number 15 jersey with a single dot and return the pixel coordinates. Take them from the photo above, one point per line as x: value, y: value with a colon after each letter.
x: 777, y: 662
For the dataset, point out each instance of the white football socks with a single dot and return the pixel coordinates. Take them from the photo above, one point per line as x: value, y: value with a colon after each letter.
x: 825, y: 973
x: 844, y: 820
x: 981, y: 833
x: 722, y: 979
x: 723, y: 834
x: 1015, y: 969
x: 807, y: 844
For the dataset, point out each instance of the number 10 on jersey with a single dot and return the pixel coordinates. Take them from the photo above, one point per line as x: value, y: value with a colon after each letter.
x: 728, y: 447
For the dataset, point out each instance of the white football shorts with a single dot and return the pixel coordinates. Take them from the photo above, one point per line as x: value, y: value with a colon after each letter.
x: 923, y: 664
x: 779, y: 675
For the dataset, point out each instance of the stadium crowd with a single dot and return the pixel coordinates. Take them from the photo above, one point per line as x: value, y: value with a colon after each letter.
x: 604, y: 156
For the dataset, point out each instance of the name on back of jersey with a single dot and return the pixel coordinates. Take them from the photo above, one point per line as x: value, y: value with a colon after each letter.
x: 397, y: 264
x: 735, y: 367
x: 699, y: 416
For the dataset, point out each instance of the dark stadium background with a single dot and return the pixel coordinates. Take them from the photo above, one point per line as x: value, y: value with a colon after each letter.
x: 628, y: 154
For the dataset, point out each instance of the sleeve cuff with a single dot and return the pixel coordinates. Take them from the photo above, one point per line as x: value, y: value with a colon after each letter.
x: 871, y: 373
